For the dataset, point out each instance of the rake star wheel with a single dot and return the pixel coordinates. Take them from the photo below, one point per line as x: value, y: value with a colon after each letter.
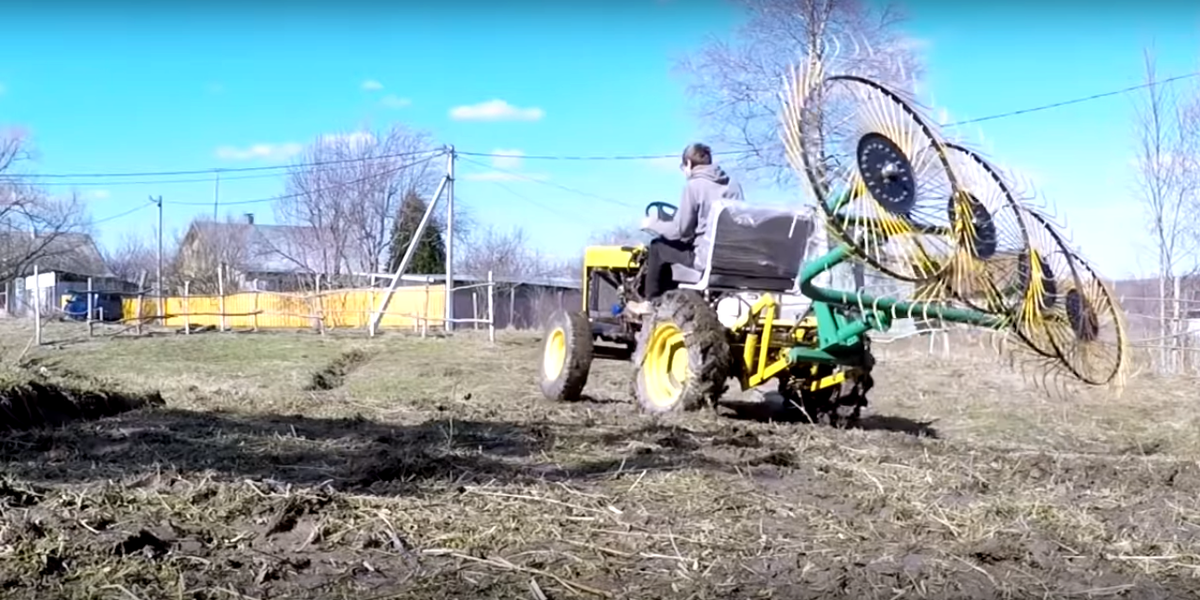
x: 881, y: 170
x: 992, y: 237
x: 1044, y: 271
x: 1069, y: 312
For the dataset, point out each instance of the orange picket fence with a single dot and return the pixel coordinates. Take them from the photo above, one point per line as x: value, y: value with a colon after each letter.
x: 336, y: 309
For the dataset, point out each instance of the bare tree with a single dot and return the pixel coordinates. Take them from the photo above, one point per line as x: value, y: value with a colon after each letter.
x: 620, y: 235
x: 507, y: 255
x: 737, y: 84
x: 33, y: 223
x: 517, y: 268
x: 1167, y: 130
x: 346, y: 191
x: 132, y: 255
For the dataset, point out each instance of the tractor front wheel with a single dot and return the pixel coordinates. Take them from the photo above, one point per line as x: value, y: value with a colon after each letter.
x: 682, y: 359
x: 567, y: 354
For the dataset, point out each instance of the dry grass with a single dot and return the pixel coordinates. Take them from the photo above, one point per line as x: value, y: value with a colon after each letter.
x: 435, y: 470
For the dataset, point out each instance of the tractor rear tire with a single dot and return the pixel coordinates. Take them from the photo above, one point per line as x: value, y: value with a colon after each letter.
x: 682, y: 361
x: 839, y: 406
x: 567, y: 354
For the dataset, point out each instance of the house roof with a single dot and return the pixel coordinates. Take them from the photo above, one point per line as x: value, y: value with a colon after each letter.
x: 74, y: 253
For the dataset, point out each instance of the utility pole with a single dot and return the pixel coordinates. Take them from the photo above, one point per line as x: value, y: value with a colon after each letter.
x: 449, y: 240
x: 162, y: 301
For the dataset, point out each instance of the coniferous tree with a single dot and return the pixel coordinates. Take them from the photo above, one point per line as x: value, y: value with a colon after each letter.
x: 430, y: 256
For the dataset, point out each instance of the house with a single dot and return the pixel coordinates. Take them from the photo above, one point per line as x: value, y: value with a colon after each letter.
x: 278, y: 258
x: 63, y: 262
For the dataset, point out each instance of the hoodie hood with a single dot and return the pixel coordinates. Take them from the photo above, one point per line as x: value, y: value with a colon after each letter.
x: 710, y: 173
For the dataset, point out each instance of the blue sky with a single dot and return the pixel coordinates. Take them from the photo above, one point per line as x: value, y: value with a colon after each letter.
x: 180, y: 90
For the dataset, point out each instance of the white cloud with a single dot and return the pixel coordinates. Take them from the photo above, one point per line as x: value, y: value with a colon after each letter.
x: 371, y: 85
x: 260, y: 151
x: 495, y: 110
x: 507, y: 159
x: 394, y: 101
x: 501, y: 176
x: 351, y: 138
x: 99, y: 194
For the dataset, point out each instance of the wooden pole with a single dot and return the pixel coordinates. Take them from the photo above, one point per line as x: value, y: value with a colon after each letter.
x: 37, y: 307
x: 221, y: 292
x: 187, y: 309
x: 90, y: 307
x: 491, y: 308
x: 141, y: 303
x: 255, y: 305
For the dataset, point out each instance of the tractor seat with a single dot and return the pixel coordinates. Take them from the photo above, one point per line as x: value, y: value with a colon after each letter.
x: 754, y: 248
x: 685, y: 274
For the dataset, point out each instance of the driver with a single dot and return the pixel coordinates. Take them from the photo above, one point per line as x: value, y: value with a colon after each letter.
x: 684, y: 238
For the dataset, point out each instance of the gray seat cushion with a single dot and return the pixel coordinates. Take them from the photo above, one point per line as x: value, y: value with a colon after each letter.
x: 685, y: 274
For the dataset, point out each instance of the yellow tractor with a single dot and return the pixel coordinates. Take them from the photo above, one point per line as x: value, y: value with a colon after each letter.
x: 901, y: 200
x: 743, y: 317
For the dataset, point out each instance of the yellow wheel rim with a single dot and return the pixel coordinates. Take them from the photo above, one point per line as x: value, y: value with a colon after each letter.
x: 666, y: 366
x: 556, y: 354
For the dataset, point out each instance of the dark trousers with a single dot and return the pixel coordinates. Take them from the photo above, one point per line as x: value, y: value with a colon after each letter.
x: 660, y: 255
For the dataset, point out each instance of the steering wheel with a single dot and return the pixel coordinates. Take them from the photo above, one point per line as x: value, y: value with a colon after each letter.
x: 663, y: 214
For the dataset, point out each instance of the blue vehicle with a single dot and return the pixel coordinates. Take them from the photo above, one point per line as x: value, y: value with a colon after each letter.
x: 106, y: 306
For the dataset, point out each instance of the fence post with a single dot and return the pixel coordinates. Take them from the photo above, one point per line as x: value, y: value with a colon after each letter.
x: 37, y: 307
x: 90, y: 307
x: 1177, y: 329
x: 255, y: 305
x: 221, y: 293
x: 425, y: 313
x: 318, y: 316
x: 141, y: 303
x: 187, y: 309
x: 491, y: 308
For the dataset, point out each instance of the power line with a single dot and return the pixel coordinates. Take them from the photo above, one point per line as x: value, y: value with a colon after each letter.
x: 584, y: 158
x: 160, y: 181
x: 122, y: 215
x: 547, y: 183
x: 218, y: 170
x: 535, y: 203
x: 1023, y: 111
x: 316, y: 191
x: 592, y: 158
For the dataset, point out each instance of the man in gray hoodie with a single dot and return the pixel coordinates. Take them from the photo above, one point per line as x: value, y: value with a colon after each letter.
x: 684, y: 238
